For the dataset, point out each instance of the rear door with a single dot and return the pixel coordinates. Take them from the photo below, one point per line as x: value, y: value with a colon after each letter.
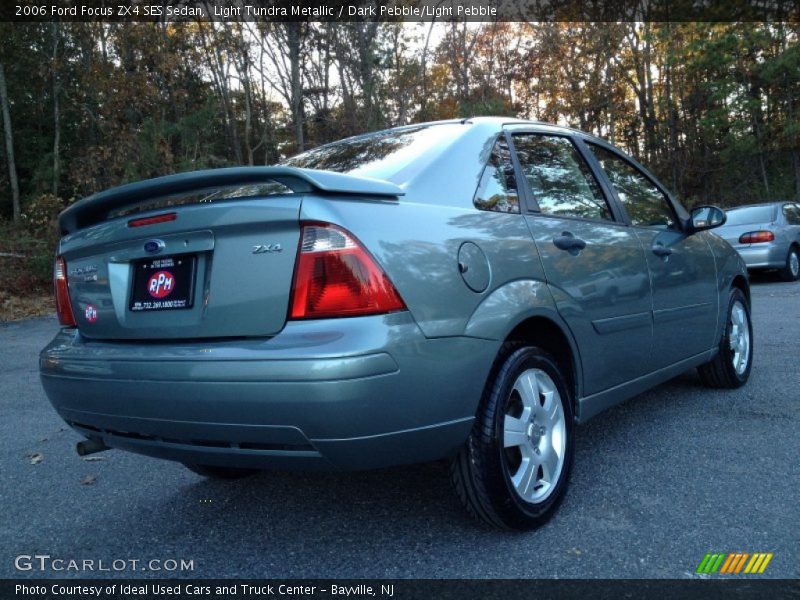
x: 593, y: 262
x: 682, y: 268
x: 791, y: 214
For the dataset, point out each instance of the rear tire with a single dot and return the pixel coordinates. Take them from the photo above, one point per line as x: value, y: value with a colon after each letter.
x: 730, y: 368
x: 514, y: 468
x: 791, y: 271
x: 215, y: 472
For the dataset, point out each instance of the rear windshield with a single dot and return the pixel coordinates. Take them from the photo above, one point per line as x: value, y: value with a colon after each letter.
x: 750, y: 214
x: 394, y: 155
x: 203, y: 196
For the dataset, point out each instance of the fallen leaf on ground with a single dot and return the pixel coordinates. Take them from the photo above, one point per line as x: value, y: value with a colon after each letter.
x: 89, y: 480
x: 35, y: 457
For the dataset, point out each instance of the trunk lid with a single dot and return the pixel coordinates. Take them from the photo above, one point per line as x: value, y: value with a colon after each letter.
x: 732, y: 233
x: 201, y: 261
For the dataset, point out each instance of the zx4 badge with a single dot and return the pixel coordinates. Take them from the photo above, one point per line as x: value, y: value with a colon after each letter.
x: 267, y: 248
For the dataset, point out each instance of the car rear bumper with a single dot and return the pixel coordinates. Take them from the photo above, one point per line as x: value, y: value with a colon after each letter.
x: 763, y: 256
x: 346, y: 393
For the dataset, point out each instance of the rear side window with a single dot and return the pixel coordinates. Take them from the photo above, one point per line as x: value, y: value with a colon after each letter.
x: 497, y: 190
x: 792, y: 213
x: 646, y: 205
x: 559, y: 179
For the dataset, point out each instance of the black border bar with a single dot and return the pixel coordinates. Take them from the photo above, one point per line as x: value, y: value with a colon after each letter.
x: 399, y: 10
x: 402, y: 589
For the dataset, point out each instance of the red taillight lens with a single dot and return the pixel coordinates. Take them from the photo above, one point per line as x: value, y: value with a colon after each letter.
x: 63, y: 303
x: 756, y: 237
x: 336, y: 277
x: 165, y: 218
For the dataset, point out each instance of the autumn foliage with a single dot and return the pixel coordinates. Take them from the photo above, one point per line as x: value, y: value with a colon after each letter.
x: 712, y: 108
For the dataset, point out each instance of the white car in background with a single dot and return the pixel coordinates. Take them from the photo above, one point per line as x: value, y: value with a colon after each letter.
x: 766, y: 235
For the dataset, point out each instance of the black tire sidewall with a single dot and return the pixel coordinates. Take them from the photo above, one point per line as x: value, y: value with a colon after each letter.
x: 515, y: 511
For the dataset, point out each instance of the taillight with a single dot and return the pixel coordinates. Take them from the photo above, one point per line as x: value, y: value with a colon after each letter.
x: 756, y: 237
x: 63, y: 303
x: 336, y: 277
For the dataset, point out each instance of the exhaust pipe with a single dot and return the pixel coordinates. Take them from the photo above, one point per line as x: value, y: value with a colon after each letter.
x: 90, y: 446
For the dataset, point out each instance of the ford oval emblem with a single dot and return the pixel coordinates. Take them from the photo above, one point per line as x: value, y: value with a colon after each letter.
x: 154, y: 246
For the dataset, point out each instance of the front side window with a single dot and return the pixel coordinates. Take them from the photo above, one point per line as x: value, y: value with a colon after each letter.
x: 497, y: 190
x: 560, y: 180
x: 647, y: 206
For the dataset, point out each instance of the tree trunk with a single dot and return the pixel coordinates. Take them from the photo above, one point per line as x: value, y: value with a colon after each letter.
x: 220, y: 73
x: 56, y: 110
x: 244, y: 76
x: 758, y: 128
x: 672, y: 113
x: 652, y: 122
x: 293, y: 34
x: 796, y: 168
x: 9, y: 135
x: 424, y: 68
x: 365, y: 39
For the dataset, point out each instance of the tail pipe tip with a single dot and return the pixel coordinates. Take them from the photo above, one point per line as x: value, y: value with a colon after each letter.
x: 88, y: 446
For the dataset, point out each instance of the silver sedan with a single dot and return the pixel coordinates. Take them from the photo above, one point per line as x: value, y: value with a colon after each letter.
x: 767, y: 236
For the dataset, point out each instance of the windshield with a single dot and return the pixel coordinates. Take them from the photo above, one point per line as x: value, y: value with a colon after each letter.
x: 394, y: 155
x: 750, y: 214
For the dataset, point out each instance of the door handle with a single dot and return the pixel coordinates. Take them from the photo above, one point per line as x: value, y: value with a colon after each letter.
x: 567, y: 241
x: 661, y: 250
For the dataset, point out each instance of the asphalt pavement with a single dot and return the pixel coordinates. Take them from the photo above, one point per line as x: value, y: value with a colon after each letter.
x: 658, y: 482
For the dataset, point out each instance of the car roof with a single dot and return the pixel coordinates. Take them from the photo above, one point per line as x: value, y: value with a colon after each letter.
x: 465, y: 152
x: 757, y: 204
x: 497, y: 123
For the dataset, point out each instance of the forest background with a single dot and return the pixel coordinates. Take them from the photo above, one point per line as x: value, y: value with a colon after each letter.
x: 713, y: 109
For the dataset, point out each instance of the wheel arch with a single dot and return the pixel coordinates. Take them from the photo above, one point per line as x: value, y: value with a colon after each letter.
x: 740, y: 282
x: 545, y: 333
x: 524, y: 311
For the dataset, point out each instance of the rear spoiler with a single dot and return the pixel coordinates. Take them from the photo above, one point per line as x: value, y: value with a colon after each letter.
x: 97, y: 207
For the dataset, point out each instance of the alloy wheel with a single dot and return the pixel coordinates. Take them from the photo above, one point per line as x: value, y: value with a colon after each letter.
x: 534, y: 435
x: 739, y: 337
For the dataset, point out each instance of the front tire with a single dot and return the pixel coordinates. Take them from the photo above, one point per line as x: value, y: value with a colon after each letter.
x: 791, y: 271
x: 730, y: 368
x: 215, y: 472
x: 514, y: 468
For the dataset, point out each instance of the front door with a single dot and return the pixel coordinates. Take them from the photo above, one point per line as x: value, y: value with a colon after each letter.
x: 682, y: 267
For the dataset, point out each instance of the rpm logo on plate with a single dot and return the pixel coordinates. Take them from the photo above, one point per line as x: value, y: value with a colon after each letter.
x: 90, y: 312
x: 161, y: 284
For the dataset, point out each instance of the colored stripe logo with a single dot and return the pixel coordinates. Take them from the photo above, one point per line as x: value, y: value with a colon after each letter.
x: 734, y: 563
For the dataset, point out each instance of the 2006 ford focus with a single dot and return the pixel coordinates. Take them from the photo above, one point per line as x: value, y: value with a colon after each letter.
x: 465, y: 289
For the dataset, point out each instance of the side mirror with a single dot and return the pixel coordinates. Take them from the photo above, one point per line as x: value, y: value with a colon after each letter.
x: 707, y: 217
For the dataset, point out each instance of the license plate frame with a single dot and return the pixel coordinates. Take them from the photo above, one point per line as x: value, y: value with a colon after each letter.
x: 162, y: 284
